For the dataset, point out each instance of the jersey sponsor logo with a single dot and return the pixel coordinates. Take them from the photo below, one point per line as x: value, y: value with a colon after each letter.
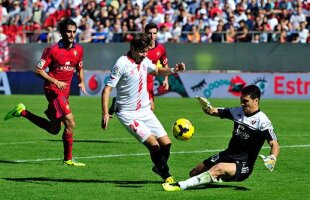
x: 41, y: 63
x: 241, y: 132
x: 253, y: 122
x: 66, y: 68
x: 266, y: 125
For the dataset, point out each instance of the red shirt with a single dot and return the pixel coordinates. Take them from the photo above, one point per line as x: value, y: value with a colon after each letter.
x: 62, y: 63
x: 158, y: 57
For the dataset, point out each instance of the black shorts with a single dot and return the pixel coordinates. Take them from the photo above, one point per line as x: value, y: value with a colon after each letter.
x: 244, y: 169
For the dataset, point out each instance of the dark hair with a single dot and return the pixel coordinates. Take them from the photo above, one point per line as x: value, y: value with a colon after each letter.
x: 140, y: 41
x: 150, y: 26
x: 62, y: 26
x: 252, y: 90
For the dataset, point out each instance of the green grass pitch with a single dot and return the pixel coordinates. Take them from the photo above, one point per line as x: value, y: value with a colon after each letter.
x: 118, y: 167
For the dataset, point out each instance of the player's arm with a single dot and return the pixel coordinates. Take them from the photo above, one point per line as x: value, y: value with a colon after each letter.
x: 42, y: 73
x: 166, y: 80
x: 207, y: 107
x: 270, y: 161
x: 104, y: 105
x: 274, y: 148
x: 81, y: 85
x: 163, y: 71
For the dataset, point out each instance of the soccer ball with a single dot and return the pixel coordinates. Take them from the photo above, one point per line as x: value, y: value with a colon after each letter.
x: 183, y: 129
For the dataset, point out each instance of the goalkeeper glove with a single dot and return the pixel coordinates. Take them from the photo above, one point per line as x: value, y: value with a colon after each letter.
x: 204, y: 103
x: 269, y: 161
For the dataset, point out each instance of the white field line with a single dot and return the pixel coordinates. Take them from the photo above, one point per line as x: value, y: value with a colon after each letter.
x: 144, y: 154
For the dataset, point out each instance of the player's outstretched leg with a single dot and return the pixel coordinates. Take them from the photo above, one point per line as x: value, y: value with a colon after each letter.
x: 15, y: 112
x: 200, y: 179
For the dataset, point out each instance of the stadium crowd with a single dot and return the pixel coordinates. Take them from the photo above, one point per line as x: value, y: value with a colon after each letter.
x: 193, y: 21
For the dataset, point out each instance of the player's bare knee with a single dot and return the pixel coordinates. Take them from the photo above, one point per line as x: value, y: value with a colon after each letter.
x: 70, y: 125
x: 193, y: 172
x: 197, y: 170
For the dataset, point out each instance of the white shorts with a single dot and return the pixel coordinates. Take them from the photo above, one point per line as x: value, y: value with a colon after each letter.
x: 141, y: 124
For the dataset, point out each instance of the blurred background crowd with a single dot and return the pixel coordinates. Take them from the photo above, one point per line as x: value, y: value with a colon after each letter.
x: 187, y: 21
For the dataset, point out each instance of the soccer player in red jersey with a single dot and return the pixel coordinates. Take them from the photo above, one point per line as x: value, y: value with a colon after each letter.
x: 62, y: 59
x: 157, y: 54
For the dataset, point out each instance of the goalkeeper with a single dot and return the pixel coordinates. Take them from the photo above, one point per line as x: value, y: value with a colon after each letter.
x: 251, y: 128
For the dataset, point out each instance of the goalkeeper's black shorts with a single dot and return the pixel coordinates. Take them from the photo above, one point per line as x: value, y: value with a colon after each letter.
x: 244, y: 169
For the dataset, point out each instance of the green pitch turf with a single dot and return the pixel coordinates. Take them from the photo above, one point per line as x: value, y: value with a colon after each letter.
x: 118, y: 167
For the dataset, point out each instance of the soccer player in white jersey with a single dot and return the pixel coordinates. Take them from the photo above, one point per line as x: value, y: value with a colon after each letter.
x: 133, y: 106
x: 251, y: 128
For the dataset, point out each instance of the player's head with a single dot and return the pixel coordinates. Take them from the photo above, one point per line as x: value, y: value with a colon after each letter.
x: 151, y: 29
x: 139, y: 47
x: 67, y: 29
x: 249, y: 99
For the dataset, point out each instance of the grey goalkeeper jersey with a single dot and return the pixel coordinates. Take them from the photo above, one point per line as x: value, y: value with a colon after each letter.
x: 249, y: 134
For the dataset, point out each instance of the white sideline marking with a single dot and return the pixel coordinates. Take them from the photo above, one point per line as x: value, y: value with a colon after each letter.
x: 144, y: 154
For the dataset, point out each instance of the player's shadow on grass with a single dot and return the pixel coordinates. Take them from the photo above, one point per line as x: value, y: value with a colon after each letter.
x: 121, y: 183
x: 10, y: 162
x: 88, y: 141
x: 208, y: 186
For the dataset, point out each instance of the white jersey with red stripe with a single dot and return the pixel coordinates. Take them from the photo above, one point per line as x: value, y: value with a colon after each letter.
x: 130, y: 81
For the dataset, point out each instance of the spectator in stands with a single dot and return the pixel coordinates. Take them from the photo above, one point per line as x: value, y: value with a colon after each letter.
x: 230, y: 34
x: 217, y: 35
x: 295, y: 38
x: 37, y: 12
x: 53, y: 35
x: 117, y: 33
x: 216, y: 10
x: 167, y: 22
x: 240, y: 14
x: 108, y: 29
x: 176, y: 32
x: 303, y: 32
x: 3, y: 14
x: 264, y: 36
x: 256, y: 39
x: 126, y: 36
x: 169, y: 10
x: 25, y: 14
x: 13, y: 14
x: 297, y: 17
x: 277, y: 32
x: 283, y: 36
x: 272, y: 21
x: 163, y: 35
x: 100, y: 35
x: 243, y: 33
x: 77, y: 16
x: 207, y: 36
x: 194, y: 35
x: 86, y: 35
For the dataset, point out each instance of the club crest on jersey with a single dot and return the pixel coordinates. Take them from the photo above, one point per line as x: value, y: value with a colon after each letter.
x: 41, y: 63
x: 75, y: 53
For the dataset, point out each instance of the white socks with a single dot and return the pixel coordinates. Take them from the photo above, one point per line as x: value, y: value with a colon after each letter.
x: 200, y: 179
